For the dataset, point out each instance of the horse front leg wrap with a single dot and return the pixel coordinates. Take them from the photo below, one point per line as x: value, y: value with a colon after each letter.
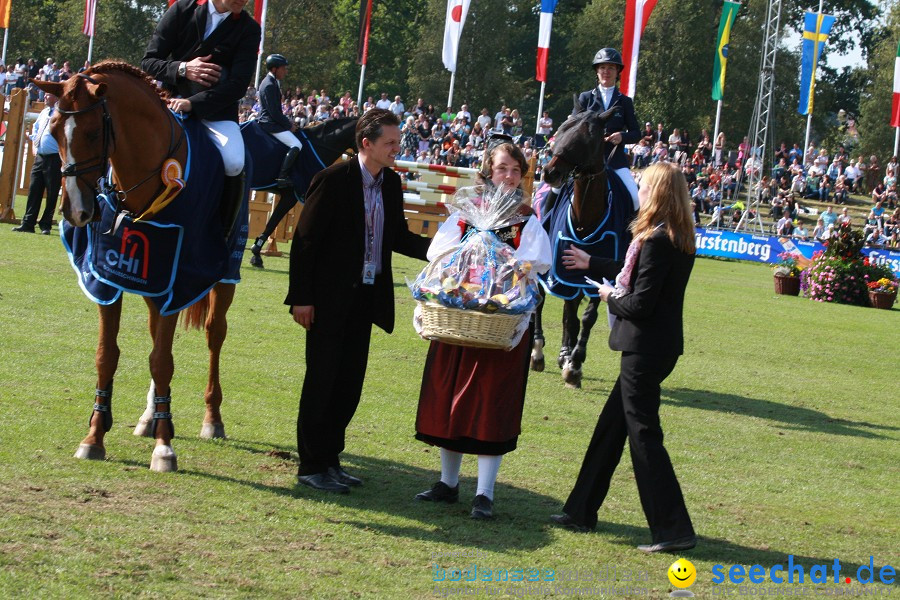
x: 159, y: 415
x: 105, y: 408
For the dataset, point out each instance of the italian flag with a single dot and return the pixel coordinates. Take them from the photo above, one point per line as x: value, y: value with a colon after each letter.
x: 895, y: 105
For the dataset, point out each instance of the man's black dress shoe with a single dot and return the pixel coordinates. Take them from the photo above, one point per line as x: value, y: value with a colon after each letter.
x: 23, y: 229
x: 440, y: 492
x: 482, y: 507
x: 45, y: 232
x: 683, y: 543
x: 343, y: 476
x: 569, y: 523
x: 324, y: 482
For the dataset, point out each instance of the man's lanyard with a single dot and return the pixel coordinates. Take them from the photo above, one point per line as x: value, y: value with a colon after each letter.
x: 370, y: 227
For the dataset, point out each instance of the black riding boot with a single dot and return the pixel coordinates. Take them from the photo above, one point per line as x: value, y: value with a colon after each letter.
x: 284, y: 176
x: 232, y: 196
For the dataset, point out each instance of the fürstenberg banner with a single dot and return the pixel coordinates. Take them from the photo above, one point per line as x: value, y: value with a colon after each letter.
x: 766, y: 248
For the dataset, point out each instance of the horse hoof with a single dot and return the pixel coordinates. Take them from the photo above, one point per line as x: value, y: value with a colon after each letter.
x: 256, y: 261
x: 211, y: 431
x: 91, y: 452
x: 571, y: 377
x: 537, y: 364
x: 164, y: 460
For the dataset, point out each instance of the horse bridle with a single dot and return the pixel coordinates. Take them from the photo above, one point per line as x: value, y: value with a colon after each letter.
x: 109, y: 138
x: 101, y: 163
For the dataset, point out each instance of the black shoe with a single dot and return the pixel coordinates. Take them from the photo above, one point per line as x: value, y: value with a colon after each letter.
x: 440, y: 492
x: 684, y: 543
x: 342, y: 476
x: 482, y: 507
x: 570, y: 523
x: 23, y: 229
x: 45, y: 232
x: 324, y: 482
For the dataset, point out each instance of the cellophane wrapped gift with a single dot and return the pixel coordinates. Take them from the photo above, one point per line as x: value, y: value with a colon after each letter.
x: 481, y: 273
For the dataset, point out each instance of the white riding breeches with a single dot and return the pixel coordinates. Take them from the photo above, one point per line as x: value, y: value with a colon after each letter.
x: 288, y: 139
x: 226, y: 135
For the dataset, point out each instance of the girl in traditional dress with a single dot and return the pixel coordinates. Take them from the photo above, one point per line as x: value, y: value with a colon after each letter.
x: 471, y: 399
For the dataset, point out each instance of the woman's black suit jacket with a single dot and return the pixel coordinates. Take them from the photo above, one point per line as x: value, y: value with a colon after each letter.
x: 328, y: 249
x: 649, y: 319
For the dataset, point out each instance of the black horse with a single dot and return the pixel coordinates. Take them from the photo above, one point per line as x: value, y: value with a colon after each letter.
x: 592, y: 211
x: 323, y: 144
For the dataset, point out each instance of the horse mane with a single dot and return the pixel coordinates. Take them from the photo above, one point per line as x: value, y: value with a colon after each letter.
x: 120, y: 66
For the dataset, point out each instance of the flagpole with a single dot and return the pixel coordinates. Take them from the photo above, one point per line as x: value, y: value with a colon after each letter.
x: 896, y: 139
x: 537, y: 128
x: 450, y: 97
x: 362, y: 77
x: 262, y: 41
x: 716, y: 128
x: 6, y: 39
x: 812, y: 83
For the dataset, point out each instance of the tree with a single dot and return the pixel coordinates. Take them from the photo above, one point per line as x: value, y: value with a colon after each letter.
x: 876, y: 135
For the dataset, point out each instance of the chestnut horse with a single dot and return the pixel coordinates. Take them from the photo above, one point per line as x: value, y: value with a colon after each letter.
x: 592, y: 212
x: 112, y: 118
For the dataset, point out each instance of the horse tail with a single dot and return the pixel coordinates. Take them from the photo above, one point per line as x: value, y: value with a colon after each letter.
x: 194, y: 316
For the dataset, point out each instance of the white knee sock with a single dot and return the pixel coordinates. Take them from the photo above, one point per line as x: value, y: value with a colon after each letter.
x: 450, y: 463
x: 488, y: 467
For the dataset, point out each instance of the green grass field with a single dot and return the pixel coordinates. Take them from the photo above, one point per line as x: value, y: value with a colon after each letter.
x: 781, y: 420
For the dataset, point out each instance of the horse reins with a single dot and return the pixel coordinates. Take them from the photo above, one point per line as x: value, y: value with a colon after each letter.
x: 101, y: 163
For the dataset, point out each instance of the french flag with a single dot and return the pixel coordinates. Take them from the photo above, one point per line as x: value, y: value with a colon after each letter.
x: 637, y: 13
x: 548, y: 7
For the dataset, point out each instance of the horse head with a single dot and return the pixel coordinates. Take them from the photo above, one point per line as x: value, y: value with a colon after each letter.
x: 578, y: 146
x: 333, y: 138
x: 79, y: 128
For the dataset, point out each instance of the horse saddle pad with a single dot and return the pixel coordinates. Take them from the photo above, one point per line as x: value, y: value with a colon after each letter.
x: 176, y: 257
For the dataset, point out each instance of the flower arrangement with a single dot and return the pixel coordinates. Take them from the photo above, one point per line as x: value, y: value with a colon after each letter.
x: 884, y: 285
x: 786, y: 266
x: 840, y: 274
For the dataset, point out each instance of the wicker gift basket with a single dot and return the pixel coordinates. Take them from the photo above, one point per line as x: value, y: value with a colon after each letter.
x: 469, y: 327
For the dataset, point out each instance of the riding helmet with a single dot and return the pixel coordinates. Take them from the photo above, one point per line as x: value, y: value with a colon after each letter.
x: 275, y: 60
x: 609, y: 56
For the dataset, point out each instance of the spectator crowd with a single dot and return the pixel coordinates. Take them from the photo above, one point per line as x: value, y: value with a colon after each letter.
x: 713, y: 169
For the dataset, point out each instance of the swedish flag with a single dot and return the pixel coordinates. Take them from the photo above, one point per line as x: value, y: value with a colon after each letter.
x: 729, y: 12
x: 816, y: 27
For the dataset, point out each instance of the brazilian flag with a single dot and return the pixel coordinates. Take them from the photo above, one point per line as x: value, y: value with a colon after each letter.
x: 729, y: 12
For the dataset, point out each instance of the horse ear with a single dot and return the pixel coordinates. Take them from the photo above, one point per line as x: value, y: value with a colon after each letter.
x: 50, y: 87
x: 97, y: 90
x: 576, y: 107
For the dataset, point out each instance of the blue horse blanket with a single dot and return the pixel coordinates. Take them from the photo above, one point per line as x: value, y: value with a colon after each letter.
x: 609, y: 239
x: 265, y: 172
x: 175, y: 258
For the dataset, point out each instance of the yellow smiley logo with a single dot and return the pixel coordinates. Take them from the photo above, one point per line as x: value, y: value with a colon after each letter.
x: 682, y: 573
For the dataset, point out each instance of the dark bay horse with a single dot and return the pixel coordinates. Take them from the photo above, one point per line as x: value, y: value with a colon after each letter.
x: 323, y: 144
x: 112, y: 119
x: 592, y: 211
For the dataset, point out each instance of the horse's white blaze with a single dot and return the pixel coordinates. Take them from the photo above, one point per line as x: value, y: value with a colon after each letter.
x: 77, y: 204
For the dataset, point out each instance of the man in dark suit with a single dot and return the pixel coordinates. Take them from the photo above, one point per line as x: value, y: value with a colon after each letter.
x: 622, y: 126
x: 204, y: 53
x: 46, y: 174
x: 340, y: 284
